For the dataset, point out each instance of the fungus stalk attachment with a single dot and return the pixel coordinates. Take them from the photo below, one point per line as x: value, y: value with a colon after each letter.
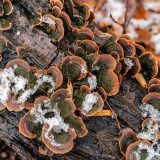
x: 104, y: 112
x: 70, y: 87
x: 139, y: 77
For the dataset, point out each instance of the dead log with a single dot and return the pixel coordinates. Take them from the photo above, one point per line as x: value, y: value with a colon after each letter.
x: 102, y: 140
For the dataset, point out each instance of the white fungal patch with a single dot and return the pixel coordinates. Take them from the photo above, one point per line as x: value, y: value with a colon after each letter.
x: 151, y: 152
x: 89, y: 101
x: 49, y: 20
x: 128, y: 62
x: 149, y: 111
x: 95, y: 68
x: 9, y: 82
x: 48, y: 79
x: 92, y: 82
x: 150, y: 131
x: 56, y: 122
x: 83, y: 69
x: 41, y: 80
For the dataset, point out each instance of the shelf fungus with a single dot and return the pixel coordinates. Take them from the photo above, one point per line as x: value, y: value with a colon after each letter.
x: 89, y: 103
x: 138, y: 150
x: 149, y: 130
x: 74, y: 68
x: 128, y: 137
x: 107, y: 79
x: 52, y: 25
x: 3, y: 46
x: 78, y: 13
x: 54, y: 122
x: 153, y: 99
x: 20, y: 84
x: 6, y: 9
x: 149, y: 64
x: 108, y: 43
x: 88, y: 50
x: 130, y: 66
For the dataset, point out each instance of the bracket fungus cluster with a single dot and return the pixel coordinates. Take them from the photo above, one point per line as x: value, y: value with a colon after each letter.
x: 6, y: 9
x: 53, y: 120
x: 145, y: 144
x: 20, y: 83
x: 93, y: 70
x: 142, y: 146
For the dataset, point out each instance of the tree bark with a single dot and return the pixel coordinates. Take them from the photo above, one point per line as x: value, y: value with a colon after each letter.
x: 102, y: 139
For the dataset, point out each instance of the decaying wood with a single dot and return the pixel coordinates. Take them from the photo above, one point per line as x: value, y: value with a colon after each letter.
x: 100, y: 143
x: 102, y: 139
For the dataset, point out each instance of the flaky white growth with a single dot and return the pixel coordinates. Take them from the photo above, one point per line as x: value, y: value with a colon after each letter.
x: 95, y: 68
x: 83, y: 69
x: 46, y: 79
x: 128, y: 62
x: 9, y: 82
x: 92, y: 82
x: 151, y: 152
x: 149, y: 132
x: 149, y: 111
x: 48, y: 20
x: 56, y: 122
x: 89, y: 101
x: 41, y: 80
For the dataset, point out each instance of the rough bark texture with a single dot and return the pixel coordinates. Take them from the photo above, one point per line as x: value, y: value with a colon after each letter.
x: 101, y: 143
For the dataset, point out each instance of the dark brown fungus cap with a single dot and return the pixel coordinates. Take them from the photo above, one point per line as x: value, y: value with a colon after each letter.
x: 88, y: 50
x: 139, y: 49
x: 105, y: 62
x: 130, y: 65
x: 154, y: 88
x: 8, y: 7
x: 153, y: 81
x: 153, y: 99
x: 108, y: 80
x: 73, y: 68
x: 128, y: 137
x: 5, y: 24
x: 1, y: 10
x: 128, y: 47
x: 148, y: 64
x: 54, y: 26
x: 127, y: 37
x: 108, y: 43
x: 3, y: 45
x: 83, y: 33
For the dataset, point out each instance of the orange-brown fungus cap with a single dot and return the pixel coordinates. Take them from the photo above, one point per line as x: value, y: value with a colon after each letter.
x: 74, y: 68
x: 8, y: 7
x: 128, y: 137
x: 154, y: 88
x: 132, y: 147
x: 128, y: 47
x: 149, y: 64
x: 153, y: 81
x: 18, y: 62
x: 153, y: 99
x: 23, y: 128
